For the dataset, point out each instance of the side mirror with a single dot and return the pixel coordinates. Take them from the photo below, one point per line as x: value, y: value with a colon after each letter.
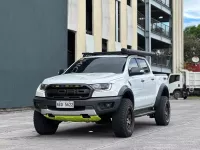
x: 135, y: 71
x: 61, y: 71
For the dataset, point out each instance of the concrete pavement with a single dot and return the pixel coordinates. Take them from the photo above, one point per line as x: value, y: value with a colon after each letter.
x: 17, y: 133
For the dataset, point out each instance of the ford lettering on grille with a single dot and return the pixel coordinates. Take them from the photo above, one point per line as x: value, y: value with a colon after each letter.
x: 68, y: 92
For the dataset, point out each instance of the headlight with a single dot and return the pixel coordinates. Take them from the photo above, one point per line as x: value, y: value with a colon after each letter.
x: 101, y: 86
x: 43, y: 86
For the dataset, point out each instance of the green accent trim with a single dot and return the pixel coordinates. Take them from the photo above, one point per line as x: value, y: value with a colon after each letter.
x: 75, y: 118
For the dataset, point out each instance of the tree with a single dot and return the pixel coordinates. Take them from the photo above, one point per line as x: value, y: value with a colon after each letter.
x: 191, y: 43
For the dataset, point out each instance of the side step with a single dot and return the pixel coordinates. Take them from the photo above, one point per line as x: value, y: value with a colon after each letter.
x: 144, y: 112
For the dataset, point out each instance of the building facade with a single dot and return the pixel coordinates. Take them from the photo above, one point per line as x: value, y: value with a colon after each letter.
x: 109, y: 25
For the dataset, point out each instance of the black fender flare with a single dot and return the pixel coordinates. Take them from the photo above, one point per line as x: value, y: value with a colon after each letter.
x: 163, y: 88
x: 124, y: 90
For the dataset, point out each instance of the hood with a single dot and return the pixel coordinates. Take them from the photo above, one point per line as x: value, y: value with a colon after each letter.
x: 85, y: 78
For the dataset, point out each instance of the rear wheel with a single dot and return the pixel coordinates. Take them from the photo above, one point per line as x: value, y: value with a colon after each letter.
x: 44, y: 126
x: 177, y: 94
x: 163, y: 112
x: 123, y: 120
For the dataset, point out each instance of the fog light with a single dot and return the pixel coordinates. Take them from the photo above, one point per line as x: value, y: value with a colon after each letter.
x: 106, y: 105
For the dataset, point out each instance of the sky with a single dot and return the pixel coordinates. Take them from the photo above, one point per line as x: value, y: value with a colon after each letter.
x: 191, y: 12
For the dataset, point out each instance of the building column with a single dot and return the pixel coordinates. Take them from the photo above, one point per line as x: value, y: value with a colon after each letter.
x: 148, y: 27
x: 123, y: 23
x: 135, y: 17
x: 81, y: 30
x: 97, y: 24
x: 111, y: 39
x: 178, y: 48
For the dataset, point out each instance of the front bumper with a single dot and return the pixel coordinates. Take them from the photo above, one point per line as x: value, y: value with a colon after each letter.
x: 90, y: 107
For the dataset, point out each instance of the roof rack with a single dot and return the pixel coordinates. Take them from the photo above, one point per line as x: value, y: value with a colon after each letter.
x: 122, y: 52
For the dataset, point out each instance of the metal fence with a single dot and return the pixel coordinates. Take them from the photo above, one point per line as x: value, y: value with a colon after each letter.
x: 141, y: 49
x: 160, y: 28
x: 164, y: 60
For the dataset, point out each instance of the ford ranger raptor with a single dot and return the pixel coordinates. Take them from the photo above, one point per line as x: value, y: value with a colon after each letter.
x: 106, y: 88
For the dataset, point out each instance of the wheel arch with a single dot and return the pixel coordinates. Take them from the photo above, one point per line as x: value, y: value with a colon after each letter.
x: 126, y: 92
x: 163, y: 91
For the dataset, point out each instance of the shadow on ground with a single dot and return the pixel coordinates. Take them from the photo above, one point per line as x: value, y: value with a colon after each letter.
x: 99, y: 131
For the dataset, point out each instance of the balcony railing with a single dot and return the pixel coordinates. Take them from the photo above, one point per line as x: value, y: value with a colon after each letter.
x: 141, y: 20
x: 166, y: 3
x: 164, y: 60
x: 160, y: 28
x: 141, y: 49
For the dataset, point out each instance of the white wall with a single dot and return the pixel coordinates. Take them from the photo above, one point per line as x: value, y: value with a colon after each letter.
x: 90, y: 43
x: 73, y: 14
x: 118, y: 46
x: 105, y: 19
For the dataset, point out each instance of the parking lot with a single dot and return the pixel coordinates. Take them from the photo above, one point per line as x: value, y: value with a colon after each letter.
x: 17, y: 133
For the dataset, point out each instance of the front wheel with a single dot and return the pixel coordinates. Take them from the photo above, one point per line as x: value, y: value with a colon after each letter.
x: 44, y: 126
x: 163, y: 112
x: 123, y: 120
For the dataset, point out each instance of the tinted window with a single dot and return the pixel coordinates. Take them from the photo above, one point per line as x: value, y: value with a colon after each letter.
x: 132, y: 64
x: 143, y: 65
x: 174, y: 78
x: 99, y: 65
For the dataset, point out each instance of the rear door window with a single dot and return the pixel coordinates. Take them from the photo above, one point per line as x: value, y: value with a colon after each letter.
x: 143, y: 65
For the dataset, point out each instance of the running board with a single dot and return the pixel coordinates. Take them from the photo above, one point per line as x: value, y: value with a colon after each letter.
x: 144, y: 112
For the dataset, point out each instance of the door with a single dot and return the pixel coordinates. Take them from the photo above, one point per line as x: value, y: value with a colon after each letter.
x: 149, y: 83
x: 137, y: 85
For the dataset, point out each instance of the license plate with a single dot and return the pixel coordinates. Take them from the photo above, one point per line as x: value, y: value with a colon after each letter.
x: 64, y: 104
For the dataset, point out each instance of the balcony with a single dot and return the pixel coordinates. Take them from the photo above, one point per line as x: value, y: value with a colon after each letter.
x: 160, y: 28
x: 161, y: 31
x: 166, y: 3
x: 163, y: 6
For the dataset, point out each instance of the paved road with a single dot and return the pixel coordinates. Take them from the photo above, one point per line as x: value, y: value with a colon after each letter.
x: 17, y: 133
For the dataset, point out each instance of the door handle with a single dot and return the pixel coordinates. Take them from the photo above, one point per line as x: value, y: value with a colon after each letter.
x: 152, y: 79
x: 142, y: 80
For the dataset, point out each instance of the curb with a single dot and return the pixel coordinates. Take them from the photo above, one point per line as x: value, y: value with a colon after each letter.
x: 6, y: 110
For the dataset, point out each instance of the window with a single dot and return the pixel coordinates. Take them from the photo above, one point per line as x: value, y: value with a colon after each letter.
x: 132, y: 64
x: 99, y: 65
x: 104, y: 45
x: 174, y: 78
x: 143, y: 65
x: 129, y: 2
x: 89, y: 17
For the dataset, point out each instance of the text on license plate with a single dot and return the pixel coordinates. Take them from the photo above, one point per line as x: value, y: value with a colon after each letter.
x: 64, y: 104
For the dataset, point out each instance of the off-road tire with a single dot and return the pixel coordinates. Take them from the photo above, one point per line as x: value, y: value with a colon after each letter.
x: 120, y: 124
x: 44, y: 126
x: 177, y: 94
x: 163, y: 112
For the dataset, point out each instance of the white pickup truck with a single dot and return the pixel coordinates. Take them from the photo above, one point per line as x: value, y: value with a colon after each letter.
x: 112, y: 87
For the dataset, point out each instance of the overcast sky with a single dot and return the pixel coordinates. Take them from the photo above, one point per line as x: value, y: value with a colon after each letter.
x: 191, y: 12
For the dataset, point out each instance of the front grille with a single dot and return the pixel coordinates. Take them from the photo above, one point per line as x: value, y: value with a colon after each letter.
x: 68, y: 92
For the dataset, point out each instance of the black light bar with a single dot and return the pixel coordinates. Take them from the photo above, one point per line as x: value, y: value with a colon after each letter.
x: 137, y: 52
x: 122, y: 52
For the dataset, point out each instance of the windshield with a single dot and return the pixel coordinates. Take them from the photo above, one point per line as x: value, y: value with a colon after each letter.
x: 98, y: 65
